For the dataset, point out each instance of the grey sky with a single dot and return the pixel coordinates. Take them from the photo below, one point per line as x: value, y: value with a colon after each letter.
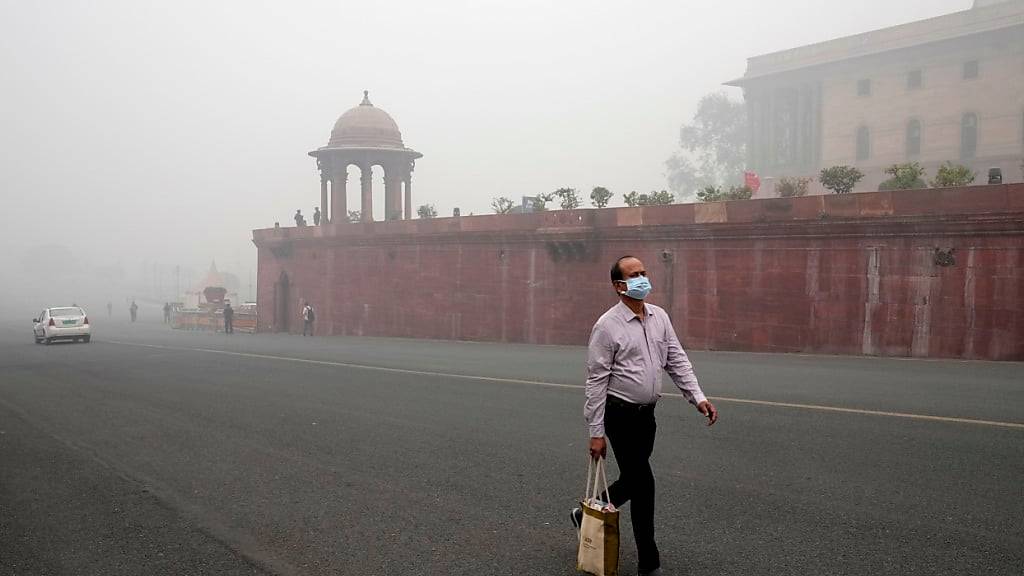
x: 166, y: 131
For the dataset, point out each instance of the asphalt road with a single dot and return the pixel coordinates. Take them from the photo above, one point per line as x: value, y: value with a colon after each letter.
x: 152, y: 451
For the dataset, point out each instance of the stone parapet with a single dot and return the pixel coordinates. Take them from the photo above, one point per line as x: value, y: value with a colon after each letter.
x: 954, y: 202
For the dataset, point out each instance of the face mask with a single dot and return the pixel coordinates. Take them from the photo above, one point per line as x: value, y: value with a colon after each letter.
x: 637, y: 288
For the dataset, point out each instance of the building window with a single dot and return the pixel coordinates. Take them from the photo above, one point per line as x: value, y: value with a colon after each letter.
x: 864, y: 87
x: 913, y: 80
x: 863, y: 143
x: 913, y: 138
x: 970, y: 70
x: 968, y: 136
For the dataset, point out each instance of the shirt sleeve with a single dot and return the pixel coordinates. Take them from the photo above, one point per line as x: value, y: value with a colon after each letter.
x: 678, y: 366
x: 600, y: 355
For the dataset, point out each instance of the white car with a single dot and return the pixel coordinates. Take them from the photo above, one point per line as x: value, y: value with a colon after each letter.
x: 68, y: 323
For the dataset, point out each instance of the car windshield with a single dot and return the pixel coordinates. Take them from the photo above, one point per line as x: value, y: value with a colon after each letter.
x: 64, y: 312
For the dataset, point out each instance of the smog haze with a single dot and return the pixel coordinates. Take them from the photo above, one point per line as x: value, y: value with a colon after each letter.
x: 145, y: 140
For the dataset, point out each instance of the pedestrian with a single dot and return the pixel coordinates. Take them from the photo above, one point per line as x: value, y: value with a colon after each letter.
x: 133, y: 310
x: 167, y: 312
x: 229, y: 317
x: 629, y: 346
x: 110, y: 309
x: 316, y: 216
x: 300, y: 220
x: 308, y: 316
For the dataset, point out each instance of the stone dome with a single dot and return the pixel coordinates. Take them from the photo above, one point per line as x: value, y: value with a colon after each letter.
x: 366, y: 126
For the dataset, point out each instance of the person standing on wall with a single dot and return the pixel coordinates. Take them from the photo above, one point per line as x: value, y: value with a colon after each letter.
x: 629, y: 346
x: 316, y: 216
x: 229, y: 318
x: 308, y: 316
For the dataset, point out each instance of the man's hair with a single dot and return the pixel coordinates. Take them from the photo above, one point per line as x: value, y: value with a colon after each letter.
x: 616, y: 270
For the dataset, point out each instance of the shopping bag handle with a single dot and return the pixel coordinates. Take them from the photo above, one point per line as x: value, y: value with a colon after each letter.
x: 595, y: 475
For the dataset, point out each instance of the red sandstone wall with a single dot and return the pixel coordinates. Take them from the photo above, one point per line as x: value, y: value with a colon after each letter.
x: 853, y: 274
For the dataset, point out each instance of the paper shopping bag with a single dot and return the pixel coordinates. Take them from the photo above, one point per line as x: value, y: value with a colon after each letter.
x: 599, y: 531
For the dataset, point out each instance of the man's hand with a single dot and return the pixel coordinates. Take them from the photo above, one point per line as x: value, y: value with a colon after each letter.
x: 598, y: 448
x: 706, y: 408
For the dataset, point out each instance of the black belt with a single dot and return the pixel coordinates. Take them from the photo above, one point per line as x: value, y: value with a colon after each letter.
x: 620, y: 403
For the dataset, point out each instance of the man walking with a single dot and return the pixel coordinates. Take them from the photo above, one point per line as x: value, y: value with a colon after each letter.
x: 167, y: 312
x: 133, y: 310
x: 316, y: 216
x: 229, y: 317
x: 307, y: 319
x: 629, y: 346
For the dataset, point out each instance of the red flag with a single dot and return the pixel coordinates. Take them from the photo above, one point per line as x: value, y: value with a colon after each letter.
x: 752, y: 181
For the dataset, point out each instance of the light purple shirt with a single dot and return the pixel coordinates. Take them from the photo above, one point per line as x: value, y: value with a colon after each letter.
x: 625, y: 358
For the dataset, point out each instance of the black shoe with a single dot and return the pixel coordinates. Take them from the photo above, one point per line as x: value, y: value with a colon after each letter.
x: 655, y: 572
x: 576, y: 515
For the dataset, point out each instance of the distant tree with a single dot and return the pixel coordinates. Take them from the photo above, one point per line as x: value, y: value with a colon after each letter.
x: 713, y: 146
x: 502, y: 205
x: 539, y: 203
x: 567, y: 197
x: 909, y: 176
x: 600, y: 196
x: 952, y: 175
x: 655, y: 198
x: 354, y: 216
x: 790, y: 187
x: 840, y: 179
x: 427, y: 211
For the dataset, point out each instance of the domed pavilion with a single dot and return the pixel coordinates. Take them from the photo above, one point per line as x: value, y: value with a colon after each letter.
x: 366, y: 136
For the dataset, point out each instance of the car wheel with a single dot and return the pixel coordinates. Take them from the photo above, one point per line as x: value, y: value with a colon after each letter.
x: 47, y: 341
x: 86, y: 339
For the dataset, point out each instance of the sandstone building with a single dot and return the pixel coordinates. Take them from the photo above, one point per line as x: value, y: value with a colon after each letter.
x: 949, y: 88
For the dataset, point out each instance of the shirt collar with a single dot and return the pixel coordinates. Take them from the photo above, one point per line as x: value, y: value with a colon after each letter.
x: 626, y: 314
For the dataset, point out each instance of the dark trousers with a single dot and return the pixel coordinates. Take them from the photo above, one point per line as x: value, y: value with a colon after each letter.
x: 229, y: 327
x: 307, y: 326
x: 630, y: 429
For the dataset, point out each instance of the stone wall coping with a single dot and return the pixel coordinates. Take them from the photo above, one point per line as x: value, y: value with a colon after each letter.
x: 930, y: 203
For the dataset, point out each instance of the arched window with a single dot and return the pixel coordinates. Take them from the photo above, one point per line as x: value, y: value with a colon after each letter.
x: 863, y: 143
x: 913, y: 138
x: 968, y: 136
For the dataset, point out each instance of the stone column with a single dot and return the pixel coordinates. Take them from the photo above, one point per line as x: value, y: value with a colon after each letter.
x: 323, y: 199
x: 408, y: 197
x: 339, y: 196
x: 366, y: 206
x: 392, y: 196
x: 799, y: 121
x: 769, y: 131
x: 749, y: 100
